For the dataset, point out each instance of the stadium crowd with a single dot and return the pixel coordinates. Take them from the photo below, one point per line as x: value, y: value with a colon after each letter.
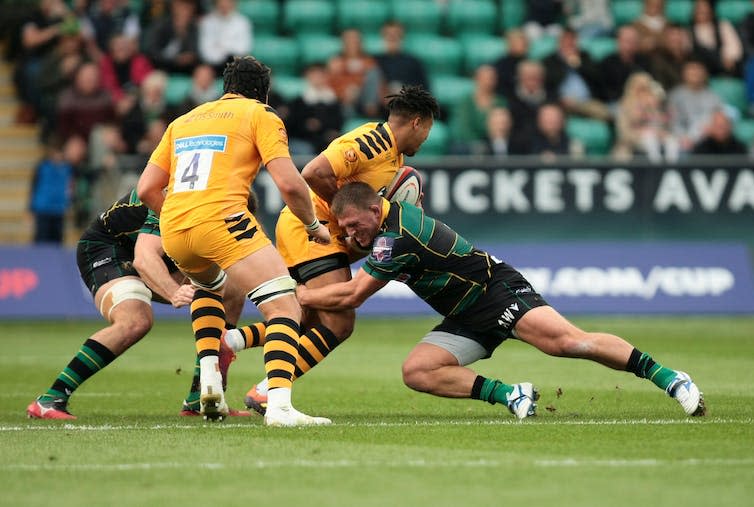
x: 653, y: 79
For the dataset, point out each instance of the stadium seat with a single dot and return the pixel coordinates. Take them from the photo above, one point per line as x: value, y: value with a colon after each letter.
x: 437, y: 142
x: 599, y: 47
x: 315, y: 48
x: 309, y: 16
x: 679, y: 11
x: 441, y: 55
x: 364, y: 15
x: 281, y: 54
x: 595, y: 134
x: 733, y: 10
x: 481, y: 49
x: 512, y: 14
x: 449, y: 90
x: 263, y: 14
x: 471, y: 16
x: 542, y: 47
x: 177, y: 88
x: 418, y: 16
x: 744, y: 131
x: 372, y: 43
x: 731, y: 90
x: 289, y: 87
x: 626, y: 11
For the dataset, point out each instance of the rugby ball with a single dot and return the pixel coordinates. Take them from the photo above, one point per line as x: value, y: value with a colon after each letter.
x: 406, y: 186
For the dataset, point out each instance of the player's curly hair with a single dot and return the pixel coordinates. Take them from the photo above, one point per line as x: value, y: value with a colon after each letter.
x: 247, y: 76
x: 413, y: 101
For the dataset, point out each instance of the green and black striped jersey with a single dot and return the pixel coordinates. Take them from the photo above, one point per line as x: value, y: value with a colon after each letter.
x: 438, y: 264
x: 123, y: 221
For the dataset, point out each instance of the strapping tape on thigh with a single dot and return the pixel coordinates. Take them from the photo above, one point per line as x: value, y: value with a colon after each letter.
x: 273, y: 289
x: 212, y: 286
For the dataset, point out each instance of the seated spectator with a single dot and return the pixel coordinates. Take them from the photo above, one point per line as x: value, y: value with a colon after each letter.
x: 468, y: 119
x: 151, y: 138
x: 650, y: 25
x: 107, y: 18
x: 716, y: 41
x: 223, y: 33
x: 84, y: 104
x: 550, y: 139
x: 574, y: 78
x: 172, y: 42
x: 517, y: 47
x: 747, y: 38
x: 349, y: 71
x: 692, y: 104
x: 642, y: 122
x: 668, y: 60
x: 57, y: 71
x: 123, y: 68
x: 497, y: 137
x: 143, y: 107
x: 718, y: 138
x: 589, y: 18
x: 617, y: 67
x: 316, y: 117
x: 203, y: 89
x: 543, y: 17
x: 529, y: 96
x: 398, y: 67
x: 52, y: 188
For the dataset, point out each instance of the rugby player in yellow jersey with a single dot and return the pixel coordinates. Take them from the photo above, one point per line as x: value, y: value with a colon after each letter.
x: 371, y: 153
x: 198, y: 180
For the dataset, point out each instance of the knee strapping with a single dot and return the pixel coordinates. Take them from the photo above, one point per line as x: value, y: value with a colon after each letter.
x: 214, y: 285
x: 272, y: 289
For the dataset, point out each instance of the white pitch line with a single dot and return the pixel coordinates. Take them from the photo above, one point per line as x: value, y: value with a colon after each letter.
x: 360, y: 464
x: 493, y: 422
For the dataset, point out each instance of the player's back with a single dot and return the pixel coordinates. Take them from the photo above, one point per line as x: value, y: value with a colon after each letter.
x: 214, y: 153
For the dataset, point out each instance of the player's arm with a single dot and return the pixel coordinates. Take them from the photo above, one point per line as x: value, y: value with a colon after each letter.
x: 150, y: 186
x: 295, y: 194
x: 340, y: 296
x: 320, y: 176
x: 148, y: 262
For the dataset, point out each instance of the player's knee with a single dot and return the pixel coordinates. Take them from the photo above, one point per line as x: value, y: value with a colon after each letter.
x: 134, y: 327
x: 416, y: 377
x: 568, y: 345
x: 341, y: 324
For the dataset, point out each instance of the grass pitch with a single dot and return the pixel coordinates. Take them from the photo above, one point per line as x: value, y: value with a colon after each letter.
x: 601, y: 438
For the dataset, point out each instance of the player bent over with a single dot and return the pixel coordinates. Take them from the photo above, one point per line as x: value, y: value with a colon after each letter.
x: 207, y: 160
x: 484, y: 301
x: 371, y: 153
x: 120, y: 259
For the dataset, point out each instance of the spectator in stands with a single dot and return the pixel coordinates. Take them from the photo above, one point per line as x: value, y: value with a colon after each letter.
x: 497, y: 138
x: 84, y: 104
x: 719, y: 139
x: 517, y: 47
x: 223, y: 33
x: 550, y: 138
x: 316, y: 117
x: 468, y: 119
x: 203, y: 89
x: 650, y: 25
x: 52, y: 188
x: 574, y: 78
x: 39, y: 36
x: 747, y: 37
x: 398, y: 67
x: 668, y: 60
x: 354, y: 77
x: 589, y: 18
x: 56, y: 73
x: 123, y: 68
x: 716, y: 41
x: 108, y: 18
x: 642, y: 122
x: 172, y: 42
x: 524, y: 105
x: 692, y: 105
x: 616, y: 68
x: 543, y: 18
x: 147, y: 104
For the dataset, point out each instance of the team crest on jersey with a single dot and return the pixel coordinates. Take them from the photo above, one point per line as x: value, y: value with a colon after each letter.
x: 382, y: 249
x: 350, y: 158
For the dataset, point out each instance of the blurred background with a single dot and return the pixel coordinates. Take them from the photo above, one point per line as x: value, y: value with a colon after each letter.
x: 603, y: 147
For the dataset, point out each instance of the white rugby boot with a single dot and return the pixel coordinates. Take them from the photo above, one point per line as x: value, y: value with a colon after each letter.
x: 521, y: 402
x: 685, y: 392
